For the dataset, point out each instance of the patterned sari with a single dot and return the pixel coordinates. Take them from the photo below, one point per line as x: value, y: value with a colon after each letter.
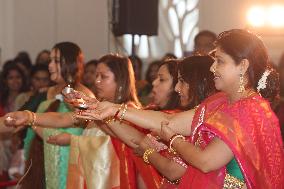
x: 56, y: 157
x: 149, y: 174
x: 251, y: 130
x: 93, y: 162
x: 99, y: 161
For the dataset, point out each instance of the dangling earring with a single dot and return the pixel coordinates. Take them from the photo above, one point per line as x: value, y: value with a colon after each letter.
x: 242, y: 87
x: 119, y: 93
x: 213, y: 70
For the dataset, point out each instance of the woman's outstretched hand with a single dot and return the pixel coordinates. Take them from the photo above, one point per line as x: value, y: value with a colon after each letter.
x: 99, y: 111
x: 76, y: 97
x: 62, y: 139
x: 16, y: 119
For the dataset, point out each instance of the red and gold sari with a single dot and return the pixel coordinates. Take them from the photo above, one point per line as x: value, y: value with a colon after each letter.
x: 149, y: 174
x: 251, y: 130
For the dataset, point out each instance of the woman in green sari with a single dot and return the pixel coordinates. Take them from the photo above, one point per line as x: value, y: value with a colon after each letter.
x: 65, y: 67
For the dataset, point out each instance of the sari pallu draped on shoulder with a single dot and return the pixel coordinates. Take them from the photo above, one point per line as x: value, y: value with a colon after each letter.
x: 251, y: 130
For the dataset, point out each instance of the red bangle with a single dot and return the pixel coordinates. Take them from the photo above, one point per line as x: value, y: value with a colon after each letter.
x: 117, y: 112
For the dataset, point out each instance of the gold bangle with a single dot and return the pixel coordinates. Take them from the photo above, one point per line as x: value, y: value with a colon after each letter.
x: 31, y: 119
x: 114, y: 118
x: 121, y: 118
x: 109, y: 120
x: 146, y: 155
x: 34, y: 119
x: 118, y: 110
x: 171, y: 149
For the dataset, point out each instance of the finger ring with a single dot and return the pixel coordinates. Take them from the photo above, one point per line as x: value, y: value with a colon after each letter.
x: 9, y: 118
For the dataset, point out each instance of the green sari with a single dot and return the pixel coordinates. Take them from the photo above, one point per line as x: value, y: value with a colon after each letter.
x: 31, y: 105
x: 56, y: 157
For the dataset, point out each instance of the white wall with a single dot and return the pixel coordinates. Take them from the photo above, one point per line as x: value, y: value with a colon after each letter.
x: 221, y: 15
x: 33, y: 25
x: 6, y: 30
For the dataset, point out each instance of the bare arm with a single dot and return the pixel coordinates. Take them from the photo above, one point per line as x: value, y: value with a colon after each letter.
x: 147, y: 119
x: 39, y: 131
x: 168, y: 168
x: 216, y: 155
x: 54, y: 119
x: 104, y: 127
x: 49, y: 119
x: 126, y: 133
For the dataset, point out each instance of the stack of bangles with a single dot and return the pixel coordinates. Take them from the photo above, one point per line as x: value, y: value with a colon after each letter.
x: 171, y: 141
x: 123, y: 109
x: 32, y: 119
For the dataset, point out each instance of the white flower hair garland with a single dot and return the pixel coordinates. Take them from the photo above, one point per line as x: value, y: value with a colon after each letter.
x: 263, y: 80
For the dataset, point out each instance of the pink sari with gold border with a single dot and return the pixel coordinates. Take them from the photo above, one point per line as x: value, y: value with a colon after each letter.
x: 250, y: 128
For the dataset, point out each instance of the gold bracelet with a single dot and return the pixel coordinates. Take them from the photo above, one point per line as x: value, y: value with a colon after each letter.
x: 73, y: 117
x: 121, y: 118
x: 109, y: 120
x: 146, y: 155
x: 171, y: 149
x: 32, y: 118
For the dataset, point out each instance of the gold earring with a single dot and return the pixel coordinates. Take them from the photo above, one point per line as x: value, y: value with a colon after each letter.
x: 119, y: 93
x: 242, y: 87
x: 213, y: 70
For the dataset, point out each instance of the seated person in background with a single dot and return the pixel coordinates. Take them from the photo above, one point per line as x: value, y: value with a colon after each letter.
x: 40, y: 81
x: 204, y: 42
x: 89, y: 75
x: 146, y: 95
x: 43, y: 57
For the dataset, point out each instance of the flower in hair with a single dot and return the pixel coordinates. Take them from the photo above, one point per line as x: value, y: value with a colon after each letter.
x: 263, y: 80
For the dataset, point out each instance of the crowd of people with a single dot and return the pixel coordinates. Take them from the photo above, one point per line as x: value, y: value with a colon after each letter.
x: 209, y: 120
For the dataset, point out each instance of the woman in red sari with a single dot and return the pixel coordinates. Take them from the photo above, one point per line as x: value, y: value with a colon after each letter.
x: 235, y: 139
x: 195, y: 83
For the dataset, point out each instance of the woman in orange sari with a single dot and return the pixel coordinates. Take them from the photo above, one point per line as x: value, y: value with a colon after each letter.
x: 166, y: 99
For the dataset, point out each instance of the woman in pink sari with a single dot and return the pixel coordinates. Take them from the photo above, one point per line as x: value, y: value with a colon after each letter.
x: 235, y: 139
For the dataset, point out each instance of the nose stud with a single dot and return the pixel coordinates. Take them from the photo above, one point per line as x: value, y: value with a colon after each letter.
x: 98, y: 81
